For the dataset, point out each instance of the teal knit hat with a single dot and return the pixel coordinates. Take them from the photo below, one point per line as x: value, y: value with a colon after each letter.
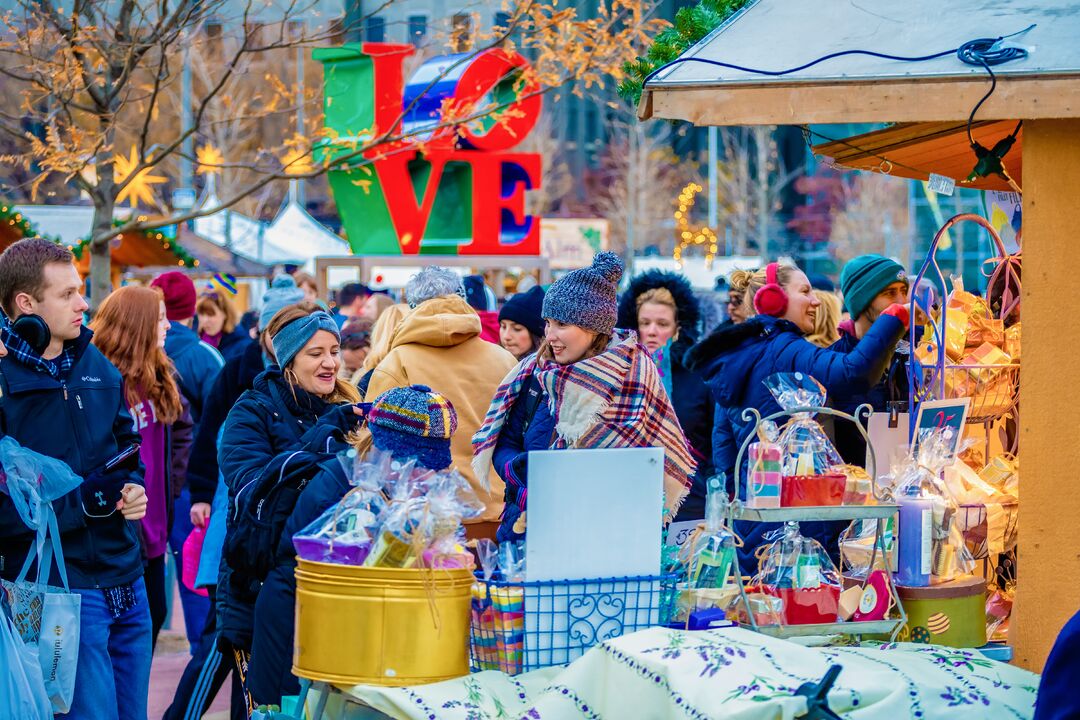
x: 864, y: 277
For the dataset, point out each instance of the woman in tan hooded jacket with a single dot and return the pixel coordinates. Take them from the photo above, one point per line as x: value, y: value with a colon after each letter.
x: 438, y: 345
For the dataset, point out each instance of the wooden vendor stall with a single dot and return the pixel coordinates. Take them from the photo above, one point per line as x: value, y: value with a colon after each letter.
x: 933, y: 100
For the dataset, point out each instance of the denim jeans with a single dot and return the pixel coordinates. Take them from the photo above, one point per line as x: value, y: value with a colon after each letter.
x: 113, y: 678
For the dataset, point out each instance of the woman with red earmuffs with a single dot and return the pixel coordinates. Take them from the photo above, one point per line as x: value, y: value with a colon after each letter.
x: 735, y: 360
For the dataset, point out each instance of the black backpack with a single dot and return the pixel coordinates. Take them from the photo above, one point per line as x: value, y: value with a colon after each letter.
x: 262, y: 508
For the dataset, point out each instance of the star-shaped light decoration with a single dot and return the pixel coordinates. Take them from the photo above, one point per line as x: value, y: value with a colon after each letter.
x: 209, y: 159
x: 140, y: 189
x: 297, y: 162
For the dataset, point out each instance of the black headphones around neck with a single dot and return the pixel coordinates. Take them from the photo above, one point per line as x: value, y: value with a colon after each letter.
x: 34, y: 330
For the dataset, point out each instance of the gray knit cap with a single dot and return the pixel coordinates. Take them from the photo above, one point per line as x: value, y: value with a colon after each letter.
x: 587, y: 297
x: 282, y: 293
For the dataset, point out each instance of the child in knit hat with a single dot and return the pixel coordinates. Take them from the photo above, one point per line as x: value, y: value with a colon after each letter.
x: 588, y: 386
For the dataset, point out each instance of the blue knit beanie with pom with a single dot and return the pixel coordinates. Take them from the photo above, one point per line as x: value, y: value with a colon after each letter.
x: 587, y: 297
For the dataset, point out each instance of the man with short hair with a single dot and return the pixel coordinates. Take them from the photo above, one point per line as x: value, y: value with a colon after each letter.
x: 350, y: 302
x: 870, y: 284
x: 59, y: 396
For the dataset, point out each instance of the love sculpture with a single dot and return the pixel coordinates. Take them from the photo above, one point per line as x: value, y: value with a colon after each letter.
x: 441, y: 188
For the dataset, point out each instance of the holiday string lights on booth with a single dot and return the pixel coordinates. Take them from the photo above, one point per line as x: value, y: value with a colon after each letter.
x: 687, y: 236
x: 184, y: 258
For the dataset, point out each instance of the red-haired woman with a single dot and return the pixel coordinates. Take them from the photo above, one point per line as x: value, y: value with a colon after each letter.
x: 129, y: 329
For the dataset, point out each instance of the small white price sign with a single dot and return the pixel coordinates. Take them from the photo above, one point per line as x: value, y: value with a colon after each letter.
x: 942, y: 185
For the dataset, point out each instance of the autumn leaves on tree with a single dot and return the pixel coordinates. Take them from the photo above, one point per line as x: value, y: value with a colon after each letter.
x: 95, y: 96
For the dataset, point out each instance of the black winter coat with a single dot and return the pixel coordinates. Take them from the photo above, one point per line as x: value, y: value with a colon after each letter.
x: 695, y: 408
x: 235, y: 343
x: 235, y: 378
x: 83, y: 420
x: 269, y: 419
x: 270, y: 671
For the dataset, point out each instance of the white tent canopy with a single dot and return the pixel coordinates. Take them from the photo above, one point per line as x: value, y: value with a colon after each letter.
x: 293, y: 237
x: 69, y: 223
x: 303, y: 235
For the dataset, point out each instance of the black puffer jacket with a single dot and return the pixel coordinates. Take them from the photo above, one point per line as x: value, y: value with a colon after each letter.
x: 691, y: 397
x: 235, y: 378
x: 270, y: 419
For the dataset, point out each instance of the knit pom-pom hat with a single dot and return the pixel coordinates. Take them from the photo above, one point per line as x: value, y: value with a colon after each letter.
x: 587, y: 297
x: 414, y: 422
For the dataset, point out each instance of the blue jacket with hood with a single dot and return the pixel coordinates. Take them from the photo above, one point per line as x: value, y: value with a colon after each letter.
x: 197, y: 365
x: 736, y: 360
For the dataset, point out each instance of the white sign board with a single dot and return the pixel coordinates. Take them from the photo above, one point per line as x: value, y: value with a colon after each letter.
x: 570, y: 243
x: 591, y: 514
x: 594, y: 513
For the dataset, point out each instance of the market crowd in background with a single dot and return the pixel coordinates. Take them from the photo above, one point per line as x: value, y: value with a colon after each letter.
x: 444, y: 372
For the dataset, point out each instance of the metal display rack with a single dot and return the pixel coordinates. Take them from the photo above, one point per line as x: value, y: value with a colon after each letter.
x: 882, y: 511
x: 993, y: 389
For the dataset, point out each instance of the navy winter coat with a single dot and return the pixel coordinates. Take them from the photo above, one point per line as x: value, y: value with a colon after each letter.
x: 735, y: 362
x: 270, y: 670
x: 269, y: 419
x: 520, y: 435
x: 235, y: 343
x: 83, y: 420
x: 197, y: 364
x: 1057, y: 698
x: 237, y: 376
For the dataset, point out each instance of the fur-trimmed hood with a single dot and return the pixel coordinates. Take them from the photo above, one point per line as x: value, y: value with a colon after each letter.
x: 689, y: 309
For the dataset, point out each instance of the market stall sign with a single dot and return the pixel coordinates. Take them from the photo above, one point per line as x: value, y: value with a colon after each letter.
x: 452, y: 185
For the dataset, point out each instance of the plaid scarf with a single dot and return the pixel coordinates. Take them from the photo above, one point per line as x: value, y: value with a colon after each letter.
x: 612, y: 400
x: 21, y: 350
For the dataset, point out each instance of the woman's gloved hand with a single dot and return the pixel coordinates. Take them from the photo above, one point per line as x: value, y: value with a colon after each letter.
x: 900, y: 312
x: 333, y: 428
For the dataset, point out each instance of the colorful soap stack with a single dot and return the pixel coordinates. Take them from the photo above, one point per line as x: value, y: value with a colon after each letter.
x: 483, y: 629
x: 766, y: 475
x: 509, y: 604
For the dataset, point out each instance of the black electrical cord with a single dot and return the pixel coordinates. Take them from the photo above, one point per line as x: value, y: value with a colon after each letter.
x: 981, y: 52
x: 985, y: 53
x: 974, y: 52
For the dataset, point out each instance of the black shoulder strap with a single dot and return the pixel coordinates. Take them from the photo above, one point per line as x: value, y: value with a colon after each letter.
x: 282, y: 408
x: 533, y: 394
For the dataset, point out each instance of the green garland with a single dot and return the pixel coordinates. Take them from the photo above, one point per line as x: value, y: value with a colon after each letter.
x: 16, y: 219
x: 692, y: 23
x: 184, y: 258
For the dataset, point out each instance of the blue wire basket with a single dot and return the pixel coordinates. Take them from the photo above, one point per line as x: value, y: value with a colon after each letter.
x: 523, y: 626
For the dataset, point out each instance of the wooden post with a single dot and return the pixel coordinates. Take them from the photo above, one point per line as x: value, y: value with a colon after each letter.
x: 1048, y: 591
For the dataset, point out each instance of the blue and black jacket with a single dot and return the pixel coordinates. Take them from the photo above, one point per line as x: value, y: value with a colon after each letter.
x: 81, y: 418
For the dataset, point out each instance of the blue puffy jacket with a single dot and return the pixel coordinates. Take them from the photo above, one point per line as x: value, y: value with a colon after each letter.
x: 197, y: 365
x: 892, y: 387
x: 83, y: 420
x: 269, y: 419
x: 736, y: 360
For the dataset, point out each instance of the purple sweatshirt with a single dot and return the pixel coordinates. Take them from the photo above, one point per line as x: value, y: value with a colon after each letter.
x: 155, y: 456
